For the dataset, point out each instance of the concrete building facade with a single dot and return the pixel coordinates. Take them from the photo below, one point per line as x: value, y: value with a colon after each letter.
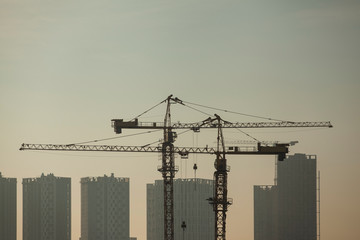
x: 47, y: 208
x: 7, y: 208
x: 190, y: 205
x: 296, y: 180
x: 288, y: 210
x: 105, y: 208
x: 265, y: 212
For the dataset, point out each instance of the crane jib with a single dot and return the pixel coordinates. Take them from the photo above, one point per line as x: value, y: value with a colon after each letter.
x: 263, y: 150
x: 119, y: 124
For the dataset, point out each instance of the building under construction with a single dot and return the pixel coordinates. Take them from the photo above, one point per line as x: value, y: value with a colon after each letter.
x: 288, y: 209
x: 7, y: 208
x: 47, y: 208
x: 105, y: 206
x: 193, y: 215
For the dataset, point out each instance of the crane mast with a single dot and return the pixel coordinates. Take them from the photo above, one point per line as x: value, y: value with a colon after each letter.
x: 219, y: 200
x: 168, y: 173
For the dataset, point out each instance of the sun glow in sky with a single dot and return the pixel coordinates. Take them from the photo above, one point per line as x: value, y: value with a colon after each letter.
x: 68, y: 67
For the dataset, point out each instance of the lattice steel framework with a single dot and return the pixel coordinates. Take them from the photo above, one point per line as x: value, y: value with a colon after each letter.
x: 207, y: 123
x: 220, y: 200
x: 183, y: 151
x: 168, y: 173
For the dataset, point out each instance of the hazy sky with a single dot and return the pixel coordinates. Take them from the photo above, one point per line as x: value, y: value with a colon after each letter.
x: 68, y: 67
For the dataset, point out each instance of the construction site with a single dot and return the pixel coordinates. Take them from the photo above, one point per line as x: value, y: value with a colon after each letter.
x: 167, y: 149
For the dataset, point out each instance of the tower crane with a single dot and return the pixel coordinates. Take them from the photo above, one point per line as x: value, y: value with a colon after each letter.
x: 219, y: 200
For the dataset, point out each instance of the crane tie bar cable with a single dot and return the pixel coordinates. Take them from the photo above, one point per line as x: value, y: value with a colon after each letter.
x: 123, y: 136
x: 148, y: 110
x: 198, y: 110
x: 244, y: 114
x: 160, y: 140
x: 248, y: 135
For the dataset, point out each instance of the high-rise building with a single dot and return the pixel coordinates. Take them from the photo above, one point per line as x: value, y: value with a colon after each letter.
x: 296, y: 181
x: 7, y: 208
x: 190, y: 206
x: 288, y: 209
x: 47, y: 208
x: 105, y: 208
x: 265, y: 212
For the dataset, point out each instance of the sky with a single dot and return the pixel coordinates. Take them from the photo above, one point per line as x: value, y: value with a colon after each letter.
x: 68, y: 67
